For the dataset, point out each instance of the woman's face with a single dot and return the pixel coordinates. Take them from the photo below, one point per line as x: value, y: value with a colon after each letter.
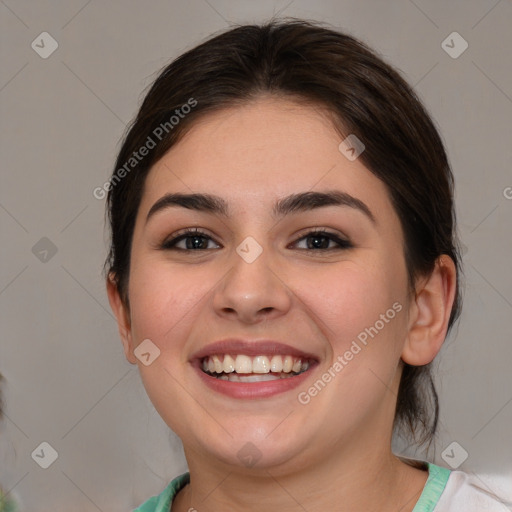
x: 261, y: 281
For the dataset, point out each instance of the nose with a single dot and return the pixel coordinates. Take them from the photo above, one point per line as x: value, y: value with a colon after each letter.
x: 252, y: 292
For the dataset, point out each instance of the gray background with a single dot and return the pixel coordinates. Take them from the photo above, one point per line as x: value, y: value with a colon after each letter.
x: 61, y: 120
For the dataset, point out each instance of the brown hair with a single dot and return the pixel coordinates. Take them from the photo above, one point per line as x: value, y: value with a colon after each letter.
x: 365, y: 96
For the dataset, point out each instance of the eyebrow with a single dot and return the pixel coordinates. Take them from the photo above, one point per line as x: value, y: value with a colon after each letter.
x: 301, y: 202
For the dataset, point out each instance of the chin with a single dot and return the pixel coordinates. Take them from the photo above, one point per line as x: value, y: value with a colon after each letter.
x: 252, y: 449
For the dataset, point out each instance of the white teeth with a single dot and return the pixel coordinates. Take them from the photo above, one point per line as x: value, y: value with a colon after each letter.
x: 276, y: 364
x: 229, y: 364
x: 233, y: 377
x: 260, y: 364
x: 224, y: 365
x: 219, y: 367
x: 243, y: 364
x: 287, y: 364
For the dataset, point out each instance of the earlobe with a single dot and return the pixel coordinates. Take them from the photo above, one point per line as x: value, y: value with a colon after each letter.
x: 123, y: 318
x: 430, y: 313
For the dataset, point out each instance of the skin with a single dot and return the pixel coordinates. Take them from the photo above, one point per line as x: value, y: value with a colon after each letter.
x: 334, y: 452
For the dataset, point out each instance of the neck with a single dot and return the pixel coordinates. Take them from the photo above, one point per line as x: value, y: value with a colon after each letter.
x: 346, y: 481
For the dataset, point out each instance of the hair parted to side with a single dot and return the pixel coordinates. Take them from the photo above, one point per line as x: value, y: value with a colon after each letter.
x: 308, y: 62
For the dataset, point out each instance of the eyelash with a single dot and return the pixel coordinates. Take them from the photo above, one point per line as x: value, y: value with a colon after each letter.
x: 170, y: 244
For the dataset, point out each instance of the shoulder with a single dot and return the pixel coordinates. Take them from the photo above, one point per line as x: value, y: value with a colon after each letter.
x: 468, y: 492
x: 162, y: 502
x: 456, y: 491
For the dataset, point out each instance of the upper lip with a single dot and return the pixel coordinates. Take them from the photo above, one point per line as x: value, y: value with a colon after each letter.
x: 251, y: 348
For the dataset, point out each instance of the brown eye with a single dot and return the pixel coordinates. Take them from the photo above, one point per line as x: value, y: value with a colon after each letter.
x: 323, y: 240
x: 193, y: 239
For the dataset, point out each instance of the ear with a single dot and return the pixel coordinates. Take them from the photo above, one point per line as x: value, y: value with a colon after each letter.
x: 430, y: 313
x: 123, y: 318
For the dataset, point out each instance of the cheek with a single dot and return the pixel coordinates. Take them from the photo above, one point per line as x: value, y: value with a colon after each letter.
x: 162, y: 300
x: 362, y: 314
x: 352, y: 299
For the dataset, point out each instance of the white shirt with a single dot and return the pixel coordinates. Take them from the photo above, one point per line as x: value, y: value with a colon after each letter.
x: 457, y: 491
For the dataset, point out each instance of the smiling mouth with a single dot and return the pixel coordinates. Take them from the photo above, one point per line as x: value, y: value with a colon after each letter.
x: 244, y: 368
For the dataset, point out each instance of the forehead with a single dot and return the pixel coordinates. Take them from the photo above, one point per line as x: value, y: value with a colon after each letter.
x: 261, y: 151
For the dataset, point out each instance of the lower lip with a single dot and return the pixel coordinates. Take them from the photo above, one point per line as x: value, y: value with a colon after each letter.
x: 251, y: 390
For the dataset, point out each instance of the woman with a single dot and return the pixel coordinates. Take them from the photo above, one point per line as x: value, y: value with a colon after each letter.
x: 283, y: 269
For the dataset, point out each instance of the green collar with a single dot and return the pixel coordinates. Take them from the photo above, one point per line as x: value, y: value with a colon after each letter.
x: 434, y: 487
